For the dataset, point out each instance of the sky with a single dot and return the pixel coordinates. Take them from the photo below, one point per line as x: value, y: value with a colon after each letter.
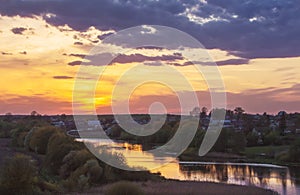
x: 43, y: 44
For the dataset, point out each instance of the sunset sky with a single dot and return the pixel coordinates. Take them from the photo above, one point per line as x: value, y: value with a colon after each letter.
x: 255, y: 44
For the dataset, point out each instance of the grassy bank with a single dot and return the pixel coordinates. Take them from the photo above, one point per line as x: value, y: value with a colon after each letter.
x: 260, y: 154
x: 179, y: 187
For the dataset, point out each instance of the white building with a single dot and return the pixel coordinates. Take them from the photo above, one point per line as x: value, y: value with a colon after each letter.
x: 93, y: 124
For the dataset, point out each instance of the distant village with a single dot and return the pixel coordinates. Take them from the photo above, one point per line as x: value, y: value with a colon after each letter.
x: 236, y: 120
x: 241, y: 121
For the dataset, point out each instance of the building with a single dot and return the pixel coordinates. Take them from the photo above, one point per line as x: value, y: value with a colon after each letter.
x: 59, y: 124
x: 93, y: 124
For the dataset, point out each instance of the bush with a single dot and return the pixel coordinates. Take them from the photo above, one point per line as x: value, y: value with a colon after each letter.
x: 5, y: 128
x: 18, y: 175
x: 73, y: 160
x: 77, y: 181
x: 21, y: 138
x: 272, y: 138
x: 14, y: 133
x: 124, y: 188
x: 94, y: 171
x: 40, y: 137
x: 59, y: 145
x: 83, y: 176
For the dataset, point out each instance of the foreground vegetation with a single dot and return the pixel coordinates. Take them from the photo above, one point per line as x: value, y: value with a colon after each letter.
x: 46, y: 160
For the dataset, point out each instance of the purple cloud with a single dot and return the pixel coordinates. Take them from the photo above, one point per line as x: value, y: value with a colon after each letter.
x: 18, y: 30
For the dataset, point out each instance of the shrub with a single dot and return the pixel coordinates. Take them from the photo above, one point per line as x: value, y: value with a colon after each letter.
x: 94, y: 171
x: 81, y: 178
x: 28, y: 138
x: 14, y: 133
x: 21, y: 138
x: 77, y: 181
x: 124, y: 188
x: 135, y: 175
x: 40, y: 137
x: 59, y: 145
x: 272, y: 138
x: 5, y: 128
x: 18, y: 175
x: 73, y: 160
x: 48, y: 187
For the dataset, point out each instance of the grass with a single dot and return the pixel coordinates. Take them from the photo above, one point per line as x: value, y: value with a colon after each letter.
x: 266, y: 154
x: 268, y: 150
x: 192, y: 188
x: 124, y: 188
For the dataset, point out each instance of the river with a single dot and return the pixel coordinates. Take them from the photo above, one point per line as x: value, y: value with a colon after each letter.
x: 278, y: 178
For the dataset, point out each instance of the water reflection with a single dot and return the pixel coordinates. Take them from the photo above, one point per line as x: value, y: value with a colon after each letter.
x: 280, y: 179
x: 276, y: 178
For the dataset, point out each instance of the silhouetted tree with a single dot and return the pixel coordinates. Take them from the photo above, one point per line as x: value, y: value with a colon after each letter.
x: 282, y: 122
x: 203, y: 113
x: 239, y: 112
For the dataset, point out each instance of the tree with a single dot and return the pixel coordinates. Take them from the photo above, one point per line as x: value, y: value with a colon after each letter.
x: 34, y: 113
x: 282, y: 122
x: 252, y: 138
x: 39, y: 139
x: 8, y: 117
x: 265, y: 120
x: 203, y: 112
x: 239, y: 142
x: 294, y: 151
x: 239, y: 112
x: 272, y: 138
x: 222, y: 142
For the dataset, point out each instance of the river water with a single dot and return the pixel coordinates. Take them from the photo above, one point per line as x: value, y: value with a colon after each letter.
x: 278, y: 178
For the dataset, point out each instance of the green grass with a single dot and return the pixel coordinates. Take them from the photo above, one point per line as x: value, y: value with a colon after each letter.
x: 266, y: 154
x: 249, y: 151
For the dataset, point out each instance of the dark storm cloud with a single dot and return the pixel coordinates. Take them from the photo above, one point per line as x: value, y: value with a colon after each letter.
x: 18, y: 30
x: 245, y: 28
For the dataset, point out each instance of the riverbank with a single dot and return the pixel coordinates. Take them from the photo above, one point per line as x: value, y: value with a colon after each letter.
x: 188, y: 187
x: 252, y: 155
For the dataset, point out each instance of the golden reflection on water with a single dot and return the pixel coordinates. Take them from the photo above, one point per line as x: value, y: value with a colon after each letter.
x: 275, y: 178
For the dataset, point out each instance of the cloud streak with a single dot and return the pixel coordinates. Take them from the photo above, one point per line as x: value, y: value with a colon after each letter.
x: 100, y: 59
x: 62, y: 77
